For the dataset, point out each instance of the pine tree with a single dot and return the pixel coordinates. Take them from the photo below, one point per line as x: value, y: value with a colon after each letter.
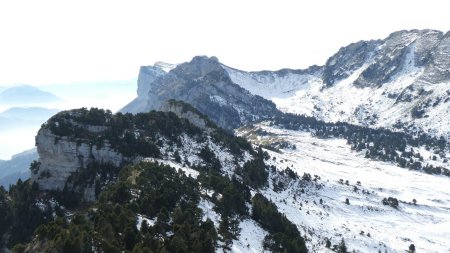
x: 342, y: 248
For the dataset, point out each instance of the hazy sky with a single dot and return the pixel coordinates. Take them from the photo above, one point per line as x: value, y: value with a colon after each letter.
x: 61, y: 41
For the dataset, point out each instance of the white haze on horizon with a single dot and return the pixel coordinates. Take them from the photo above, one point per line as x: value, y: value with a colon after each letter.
x: 108, y: 95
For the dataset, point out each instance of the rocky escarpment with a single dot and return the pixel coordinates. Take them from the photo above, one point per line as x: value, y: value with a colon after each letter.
x: 186, y: 111
x: 400, y: 82
x: 61, y: 156
x: 147, y: 74
x: 81, y: 150
x: 205, y: 84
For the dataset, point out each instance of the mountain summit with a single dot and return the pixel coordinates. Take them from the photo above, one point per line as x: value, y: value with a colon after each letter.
x: 365, y: 168
x: 205, y: 84
x: 400, y: 82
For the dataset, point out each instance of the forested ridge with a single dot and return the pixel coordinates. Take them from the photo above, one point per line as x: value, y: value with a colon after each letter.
x: 378, y: 144
x: 146, y: 207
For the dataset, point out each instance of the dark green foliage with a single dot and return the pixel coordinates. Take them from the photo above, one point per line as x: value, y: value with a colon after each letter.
x: 162, y: 186
x: 393, y: 202
x: 67, y: 237
x: 167, y: 196
x: 342, y: 248
x: 306, y: 177
x: 254, y: 172
x: 5, y: 212
x: 328, y: 243
x: 210, y: 158
x: 231, y: 206
x: 94, y: 175
x: 229, y: 230
x: 22, y: 211
x: 235, y: 194
x: 378, y: 144
x: 160, y: 193
x: 235, y: 144
x: 284, y: 235
x: 234, y: 197
x: 34, y: 167
x: 129, y: 134
x: 291, y: 174
x: 138, y: 134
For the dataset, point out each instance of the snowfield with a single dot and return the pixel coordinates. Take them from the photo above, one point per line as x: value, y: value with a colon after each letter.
x: 365, y: 223
x: 376, y: 106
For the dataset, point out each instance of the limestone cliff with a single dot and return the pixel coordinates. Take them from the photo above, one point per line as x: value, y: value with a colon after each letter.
x: 186, y: 111
x: 81, y: 150
x: 61, y: 156
x: 205, y: 84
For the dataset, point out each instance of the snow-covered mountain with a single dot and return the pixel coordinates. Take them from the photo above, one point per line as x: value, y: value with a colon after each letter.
x: 205, y: 84
x: 171, y: 180
x: 401, y: 82
x: 324, y: 188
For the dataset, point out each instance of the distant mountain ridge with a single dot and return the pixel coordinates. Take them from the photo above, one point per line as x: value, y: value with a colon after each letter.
x: 26, y: 119
x: 401, y: 82
x: 26, y: 94
x: 29, y: 113
x: 17, y: 167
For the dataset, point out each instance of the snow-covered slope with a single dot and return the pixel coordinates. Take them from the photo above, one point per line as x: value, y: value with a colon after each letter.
x: 318, y: 206
x: 204, y: 84
x: 402, y: 82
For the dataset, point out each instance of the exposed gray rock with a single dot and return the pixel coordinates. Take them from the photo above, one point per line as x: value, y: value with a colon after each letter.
x: 59, y: 157
x: 400, y: 82
x: 206, y: 85
x: 147, y: 75
x: 185, y: 111
x: 438, y: 69
x: 347, y: 60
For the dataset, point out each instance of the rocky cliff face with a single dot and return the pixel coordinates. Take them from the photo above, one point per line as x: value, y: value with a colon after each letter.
x: 401, y: 83
x: 61, y: 156
x: 205, y: 84
x: 81, y: 150
x: 147, y: 75
x: 186, y: 111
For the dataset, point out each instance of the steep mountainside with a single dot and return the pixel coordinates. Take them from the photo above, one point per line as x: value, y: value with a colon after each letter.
x: 374, y: 205
x: 401, y: 82
x: 203, y: 83
x: 140, y: 183
x: 167, y: 178
x: 171, y: 181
